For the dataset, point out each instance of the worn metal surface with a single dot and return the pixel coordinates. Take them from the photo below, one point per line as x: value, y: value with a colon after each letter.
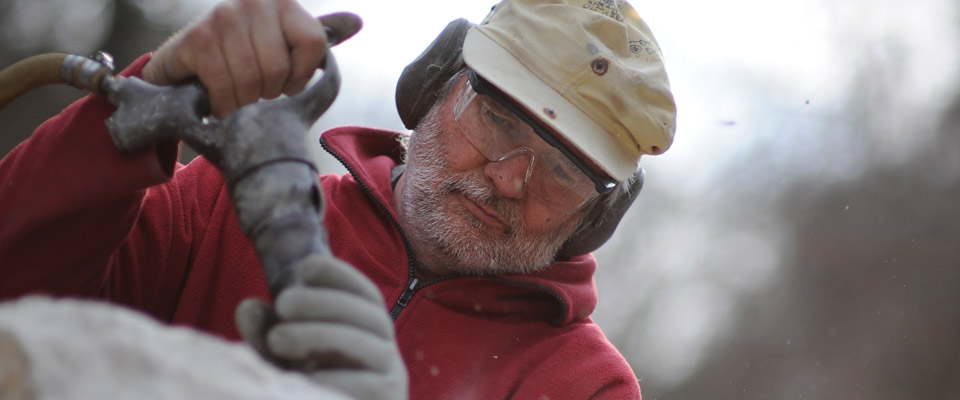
x: 262, y: 150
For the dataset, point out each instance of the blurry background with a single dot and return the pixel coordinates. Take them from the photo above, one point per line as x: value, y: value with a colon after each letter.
x: 800, y: 239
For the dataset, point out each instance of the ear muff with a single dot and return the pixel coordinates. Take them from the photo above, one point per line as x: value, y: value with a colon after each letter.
x: 421, y: 82
x: 602, y: 220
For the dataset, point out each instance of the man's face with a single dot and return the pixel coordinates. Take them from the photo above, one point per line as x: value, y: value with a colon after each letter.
x: 466, y: 214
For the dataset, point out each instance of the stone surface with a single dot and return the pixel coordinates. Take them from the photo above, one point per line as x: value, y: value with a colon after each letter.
x: 58, y: 349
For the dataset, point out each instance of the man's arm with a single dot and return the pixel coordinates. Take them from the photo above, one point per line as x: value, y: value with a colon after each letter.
x: 69, y: 198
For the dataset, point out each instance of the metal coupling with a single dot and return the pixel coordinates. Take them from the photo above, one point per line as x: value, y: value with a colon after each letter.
x: 87, y: 73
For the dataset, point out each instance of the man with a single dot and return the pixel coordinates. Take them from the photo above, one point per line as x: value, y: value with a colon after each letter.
x: 529, y: 129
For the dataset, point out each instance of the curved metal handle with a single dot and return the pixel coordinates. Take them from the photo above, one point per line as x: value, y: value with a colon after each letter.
x: 262, y: 150
x: 148, y: 114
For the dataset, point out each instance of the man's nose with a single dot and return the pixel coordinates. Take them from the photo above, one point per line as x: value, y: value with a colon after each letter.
x: 510, y: 173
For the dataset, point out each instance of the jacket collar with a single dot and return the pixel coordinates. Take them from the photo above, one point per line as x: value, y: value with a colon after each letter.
x: 371, y: 154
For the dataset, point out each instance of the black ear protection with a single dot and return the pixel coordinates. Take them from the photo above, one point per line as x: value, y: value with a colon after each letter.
x: 422, y: 81
x: 600, y: 222
x: 420, y: 86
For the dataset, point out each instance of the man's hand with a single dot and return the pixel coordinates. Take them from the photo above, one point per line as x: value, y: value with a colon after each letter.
x: 334, y: 328
x: 245, y: 50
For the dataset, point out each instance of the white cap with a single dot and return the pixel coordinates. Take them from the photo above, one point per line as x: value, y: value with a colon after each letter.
x: 589, y: 69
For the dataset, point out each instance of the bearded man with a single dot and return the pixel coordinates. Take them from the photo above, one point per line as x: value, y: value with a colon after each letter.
x: 475, y: 231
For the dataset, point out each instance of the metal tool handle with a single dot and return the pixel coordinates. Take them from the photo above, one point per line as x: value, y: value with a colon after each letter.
x: 262, y: 149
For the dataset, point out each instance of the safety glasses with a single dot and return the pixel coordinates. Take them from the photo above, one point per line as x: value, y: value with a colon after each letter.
x: 500, y: 131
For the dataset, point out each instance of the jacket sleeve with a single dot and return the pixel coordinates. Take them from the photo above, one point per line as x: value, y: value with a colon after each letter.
x: 69, y: 200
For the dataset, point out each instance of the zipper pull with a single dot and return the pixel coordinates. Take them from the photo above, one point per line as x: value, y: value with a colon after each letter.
x: 408, y: 294
x: 404, y: 298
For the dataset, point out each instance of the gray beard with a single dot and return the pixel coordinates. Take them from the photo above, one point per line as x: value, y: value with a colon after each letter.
x: 464, y: 243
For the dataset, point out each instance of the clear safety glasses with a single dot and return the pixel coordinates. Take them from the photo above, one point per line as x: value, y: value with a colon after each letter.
x: 500, y: 131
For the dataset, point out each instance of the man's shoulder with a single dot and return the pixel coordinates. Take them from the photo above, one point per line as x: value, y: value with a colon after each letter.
x: 582, y: 353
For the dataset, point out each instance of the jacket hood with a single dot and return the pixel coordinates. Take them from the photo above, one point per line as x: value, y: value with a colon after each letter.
x: 567, y: 286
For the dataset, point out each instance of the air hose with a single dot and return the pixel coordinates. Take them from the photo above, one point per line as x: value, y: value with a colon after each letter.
x: 46, y: 69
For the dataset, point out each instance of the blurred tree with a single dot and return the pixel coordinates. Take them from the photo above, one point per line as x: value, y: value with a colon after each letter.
x: 867, y: 307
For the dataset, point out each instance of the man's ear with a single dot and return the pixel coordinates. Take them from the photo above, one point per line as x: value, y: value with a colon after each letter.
x: 602, y: 220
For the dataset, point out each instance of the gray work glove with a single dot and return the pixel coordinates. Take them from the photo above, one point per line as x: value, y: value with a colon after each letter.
x: 333, y: 328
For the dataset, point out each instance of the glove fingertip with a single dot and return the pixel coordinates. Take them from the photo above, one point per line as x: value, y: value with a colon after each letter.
x: 253, y: 318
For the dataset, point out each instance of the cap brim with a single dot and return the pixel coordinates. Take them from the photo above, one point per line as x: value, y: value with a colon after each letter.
x: 498, y: 66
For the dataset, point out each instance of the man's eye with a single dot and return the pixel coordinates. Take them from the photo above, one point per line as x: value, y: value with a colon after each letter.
x: 563, y: 170
x: 498, y: 119
x: 562, y: 174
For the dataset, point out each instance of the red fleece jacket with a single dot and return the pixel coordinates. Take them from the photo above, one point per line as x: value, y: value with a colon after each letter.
x: 79, y: 218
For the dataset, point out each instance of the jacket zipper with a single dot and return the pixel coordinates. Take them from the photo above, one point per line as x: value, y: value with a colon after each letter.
x: 404, y: 298
x: 413, y: 285
x: 412, y: 280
